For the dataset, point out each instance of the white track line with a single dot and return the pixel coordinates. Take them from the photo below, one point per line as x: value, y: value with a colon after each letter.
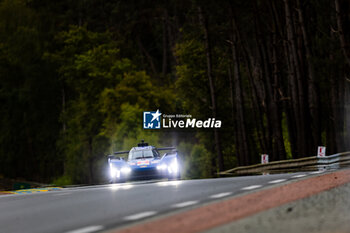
x: 220, y: 195
x: 317, y: 172
x: 184, y: 204
x: 299, y: 176
x: 87, y: 229
x: 251, y: 187
x: 277, y: 181
x: 140, y: 215
x: 61, y: 194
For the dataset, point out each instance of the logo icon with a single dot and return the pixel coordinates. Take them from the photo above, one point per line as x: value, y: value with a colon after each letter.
x: 151, y: 120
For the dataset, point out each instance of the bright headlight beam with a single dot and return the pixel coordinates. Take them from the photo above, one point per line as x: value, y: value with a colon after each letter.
x: 113, y: 172
x: 174, y: 167
x: 126, y: 170
x: 162, y: 167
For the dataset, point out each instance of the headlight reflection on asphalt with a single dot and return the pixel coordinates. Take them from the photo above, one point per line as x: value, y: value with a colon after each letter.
x: 169, y: 183
x: 127, y: 186
x: 115, y: 187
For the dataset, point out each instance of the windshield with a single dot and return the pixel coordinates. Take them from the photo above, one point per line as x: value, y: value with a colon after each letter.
x: 140, y: 154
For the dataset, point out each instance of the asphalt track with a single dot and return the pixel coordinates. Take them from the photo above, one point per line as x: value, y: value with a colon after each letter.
x: 118, y: 206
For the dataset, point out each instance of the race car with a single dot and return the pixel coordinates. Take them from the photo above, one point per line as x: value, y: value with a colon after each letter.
x: 144, y: 162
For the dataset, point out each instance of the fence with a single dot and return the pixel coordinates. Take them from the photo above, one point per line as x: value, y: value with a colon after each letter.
x: 308, y: 163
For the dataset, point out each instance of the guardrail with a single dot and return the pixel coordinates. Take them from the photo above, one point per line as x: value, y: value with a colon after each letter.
x: 307, y: 163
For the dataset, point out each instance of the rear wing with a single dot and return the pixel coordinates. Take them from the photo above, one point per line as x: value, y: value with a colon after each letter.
x: 167, y: 148
x: 121, y: 152
x: 170, y: 151
x: 117, y: 153
x: 110, y: 157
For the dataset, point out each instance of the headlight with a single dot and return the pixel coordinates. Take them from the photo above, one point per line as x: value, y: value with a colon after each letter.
x: 126, y: 170
x: 174, y: 167
x: 162, y: 167
x: 114, y: 172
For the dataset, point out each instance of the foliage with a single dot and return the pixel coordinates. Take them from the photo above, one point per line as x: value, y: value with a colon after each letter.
x: 75, y: 77
x: 62, y: 181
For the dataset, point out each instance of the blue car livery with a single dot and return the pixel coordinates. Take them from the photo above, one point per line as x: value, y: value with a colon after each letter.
x: 144, y: 162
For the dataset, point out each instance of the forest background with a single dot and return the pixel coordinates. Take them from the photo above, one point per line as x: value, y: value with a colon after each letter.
x: 75, y: 77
